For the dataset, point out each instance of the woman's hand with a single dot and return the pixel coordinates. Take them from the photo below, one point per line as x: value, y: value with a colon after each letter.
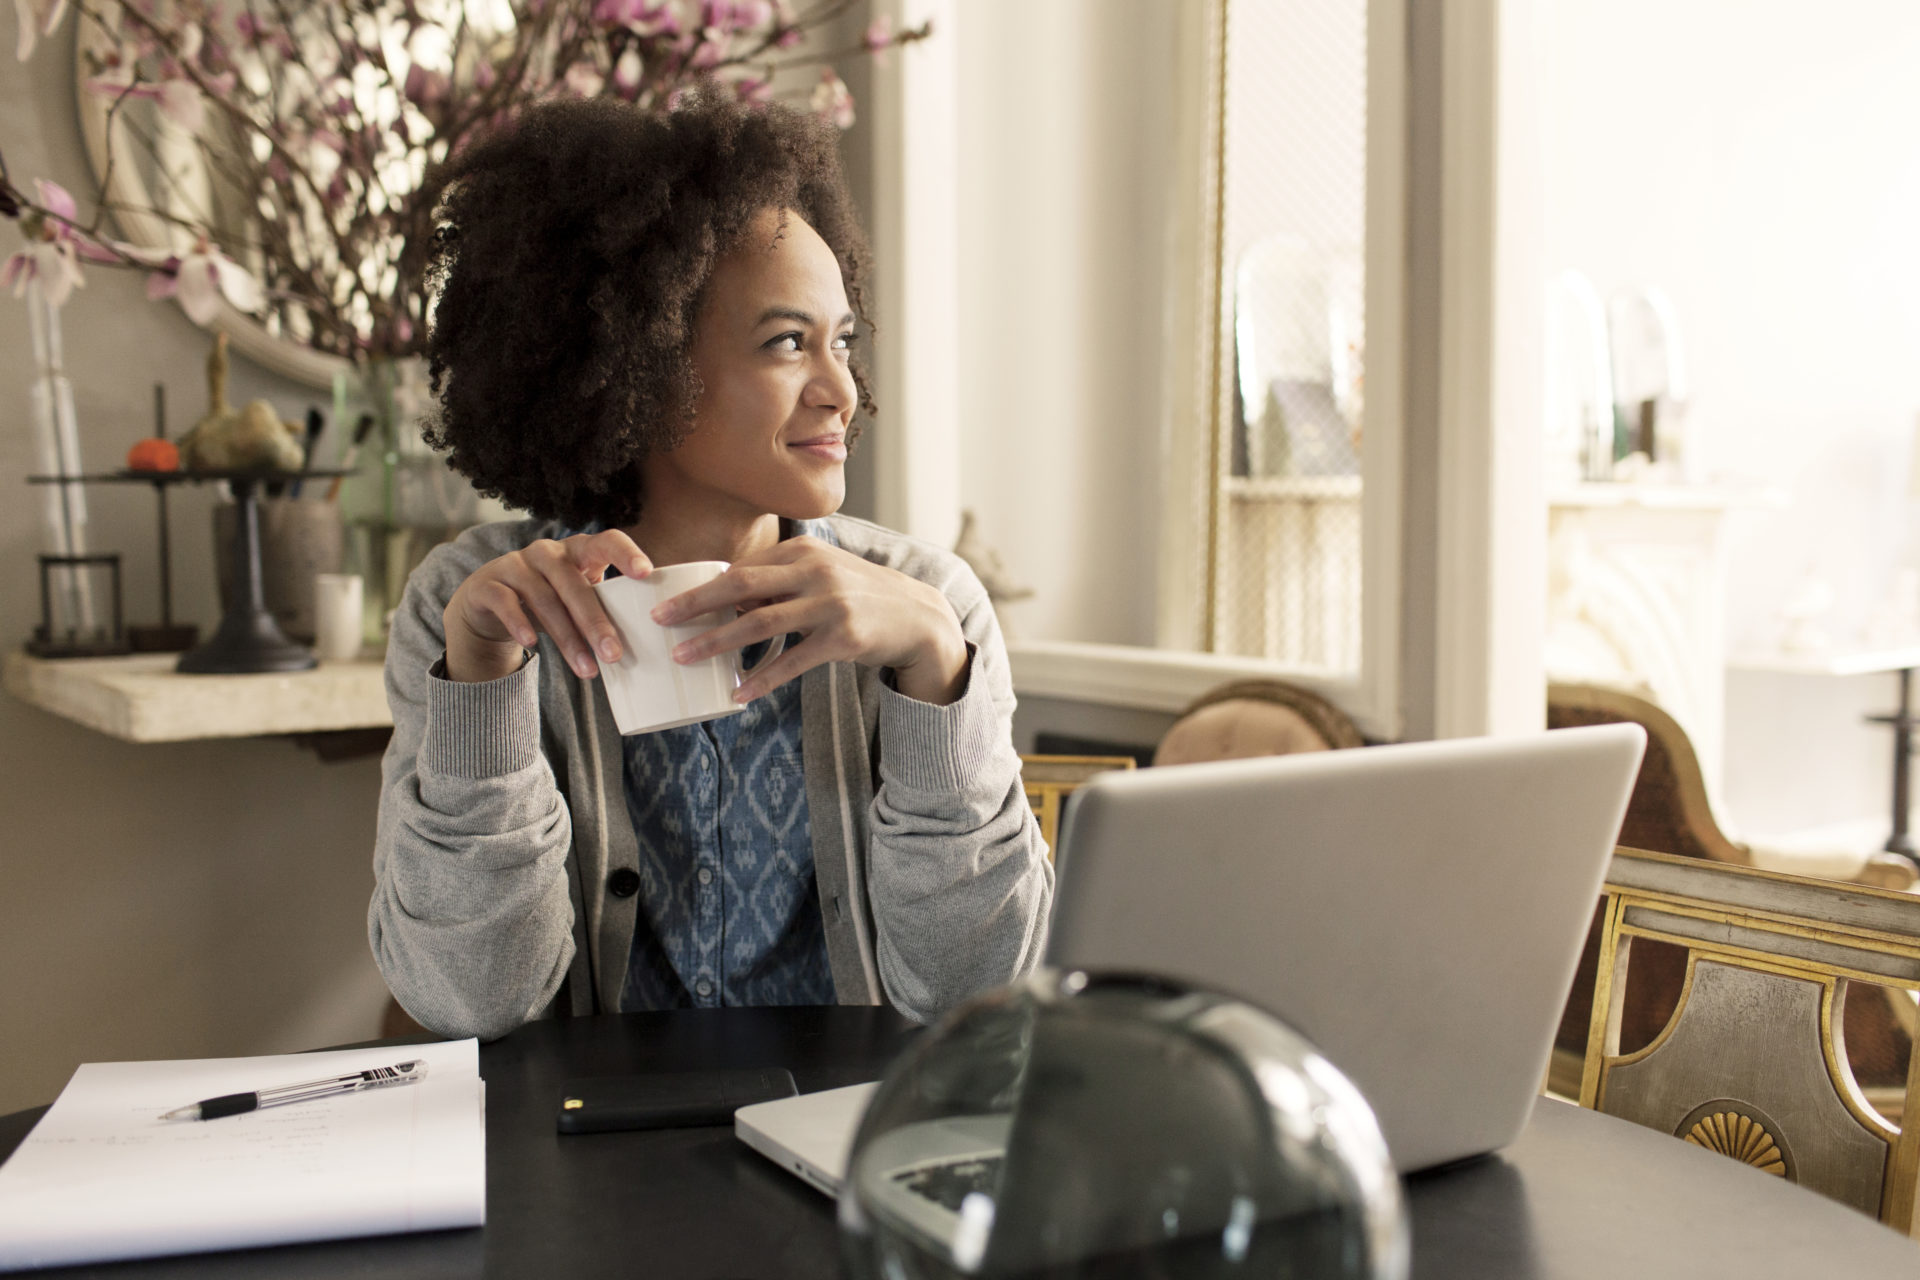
x: 545, y: 586
x: 844, y: 608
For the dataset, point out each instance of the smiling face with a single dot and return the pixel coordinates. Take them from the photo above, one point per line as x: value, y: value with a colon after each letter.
x: 770, y: 349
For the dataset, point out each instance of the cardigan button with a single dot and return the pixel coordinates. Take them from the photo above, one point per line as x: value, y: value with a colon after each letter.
x: 624, y: 883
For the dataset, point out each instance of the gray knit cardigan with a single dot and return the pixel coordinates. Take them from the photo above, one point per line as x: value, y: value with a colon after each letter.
x: 502, y: 818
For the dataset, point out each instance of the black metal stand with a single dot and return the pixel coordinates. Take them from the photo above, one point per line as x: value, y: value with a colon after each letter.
x: 248, y: 639
x: 166, y: 636
x: 1902, y: 722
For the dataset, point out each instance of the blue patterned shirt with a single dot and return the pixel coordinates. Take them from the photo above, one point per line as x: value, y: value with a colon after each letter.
x: 728, y: 913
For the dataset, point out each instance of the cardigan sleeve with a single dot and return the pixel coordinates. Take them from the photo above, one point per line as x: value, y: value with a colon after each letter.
x: 471, y: 920
x: 958, y: 877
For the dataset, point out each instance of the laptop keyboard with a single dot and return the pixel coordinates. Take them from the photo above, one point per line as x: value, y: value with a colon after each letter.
x: 949, y: 1184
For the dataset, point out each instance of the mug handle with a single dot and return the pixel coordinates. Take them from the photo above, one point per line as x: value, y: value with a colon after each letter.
x: 774, y: 650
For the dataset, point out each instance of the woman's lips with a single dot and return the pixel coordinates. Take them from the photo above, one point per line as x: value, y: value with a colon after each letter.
x: 826, y: 448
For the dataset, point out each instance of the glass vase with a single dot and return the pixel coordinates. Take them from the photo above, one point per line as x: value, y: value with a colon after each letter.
x: 73, y: 613
x: 403, y: 499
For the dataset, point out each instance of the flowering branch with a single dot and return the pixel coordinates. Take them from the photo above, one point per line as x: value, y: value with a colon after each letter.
x: 314, y: 125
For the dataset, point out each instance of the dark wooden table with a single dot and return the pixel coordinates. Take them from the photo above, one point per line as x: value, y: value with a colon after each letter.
x: 1579, y: 1195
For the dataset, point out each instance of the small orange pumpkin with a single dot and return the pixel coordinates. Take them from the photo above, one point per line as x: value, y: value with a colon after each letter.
x: 153, y: 454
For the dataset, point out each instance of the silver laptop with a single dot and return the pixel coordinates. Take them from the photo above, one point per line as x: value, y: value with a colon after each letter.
x: 1416, y: 911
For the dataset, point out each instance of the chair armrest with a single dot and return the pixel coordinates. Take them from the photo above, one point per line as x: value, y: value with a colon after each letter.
x: 1879, y: 869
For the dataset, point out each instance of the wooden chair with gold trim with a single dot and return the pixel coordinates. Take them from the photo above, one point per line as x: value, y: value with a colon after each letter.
x: 1753, y: 1062
x: 1669, y: 812
x: 1050, y: 779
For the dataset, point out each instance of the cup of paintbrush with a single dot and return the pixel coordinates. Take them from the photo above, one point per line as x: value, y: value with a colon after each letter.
x: 316, y: 422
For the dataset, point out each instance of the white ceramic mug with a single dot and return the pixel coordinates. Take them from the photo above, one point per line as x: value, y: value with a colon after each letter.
x: 338, y: 602
x: 647, y: 689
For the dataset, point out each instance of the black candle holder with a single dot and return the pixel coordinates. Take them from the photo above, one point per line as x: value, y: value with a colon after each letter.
x: 247, y: 640
x: 49, y: 641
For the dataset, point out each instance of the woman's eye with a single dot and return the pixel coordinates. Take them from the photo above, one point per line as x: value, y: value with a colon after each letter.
x: 786, y: 342
x: 845, y: 341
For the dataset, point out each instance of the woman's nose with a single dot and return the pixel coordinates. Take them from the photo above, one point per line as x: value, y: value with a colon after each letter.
x: 832, y: 385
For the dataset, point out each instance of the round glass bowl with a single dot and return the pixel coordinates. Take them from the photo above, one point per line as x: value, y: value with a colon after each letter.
x: 1078, y: 1126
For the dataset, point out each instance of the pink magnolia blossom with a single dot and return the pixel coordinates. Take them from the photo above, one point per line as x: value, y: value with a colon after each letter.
x: 878, y: 39
x: 201, y: 278
x: 53, y: 252
x: 59, y: 225
x: 583, y: 80
x: 179, y: 100
x: 644, y: 17
x: 753, y: 89
x: 483, y: 76
x: 52, y: 262
x: 57, y: 200
x: 627, y: 73
x: 36, y: 18
x: 727, y: 16
x: 832, y: 99
x: 712, y: 47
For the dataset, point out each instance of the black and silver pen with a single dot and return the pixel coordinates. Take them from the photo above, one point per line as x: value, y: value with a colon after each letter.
x: 233, y: 1104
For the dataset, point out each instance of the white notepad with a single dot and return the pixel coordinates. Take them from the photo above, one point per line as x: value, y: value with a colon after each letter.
x: 101, y: 1177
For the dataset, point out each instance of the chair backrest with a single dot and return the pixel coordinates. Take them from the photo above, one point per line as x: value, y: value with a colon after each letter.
x: 1255, y: 718
x: 1049, y: 779
x: 1753, y: 1062
x: 1669, y: 811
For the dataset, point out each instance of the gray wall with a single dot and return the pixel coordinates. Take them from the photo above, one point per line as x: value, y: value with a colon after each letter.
x: 155, y: 901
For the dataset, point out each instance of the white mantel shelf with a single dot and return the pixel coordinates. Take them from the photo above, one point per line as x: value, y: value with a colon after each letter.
x: 142, y: 699
x: 1860, y: 662
x: 1664, y: 497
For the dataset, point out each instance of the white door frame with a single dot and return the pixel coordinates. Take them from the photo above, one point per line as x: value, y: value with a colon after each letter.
x: 916, y: 140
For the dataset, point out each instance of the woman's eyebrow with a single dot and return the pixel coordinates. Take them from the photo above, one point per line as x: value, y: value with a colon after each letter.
x: 796, y: 315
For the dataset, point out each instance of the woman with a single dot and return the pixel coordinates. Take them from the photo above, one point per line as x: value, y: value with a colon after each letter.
x: 643, y: 337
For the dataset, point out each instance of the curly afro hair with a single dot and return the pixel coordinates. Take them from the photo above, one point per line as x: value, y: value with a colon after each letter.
x: 568, y: 269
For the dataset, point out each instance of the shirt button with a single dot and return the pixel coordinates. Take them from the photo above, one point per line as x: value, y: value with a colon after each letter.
x: 705, y: 764
x: 706, y: 876
x: 704, y: 987
x: 624, y: 883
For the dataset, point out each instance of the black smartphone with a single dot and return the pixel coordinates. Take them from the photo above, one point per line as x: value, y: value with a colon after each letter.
x: 667, y: 1100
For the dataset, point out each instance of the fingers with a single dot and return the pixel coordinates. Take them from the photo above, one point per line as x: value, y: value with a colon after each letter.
x: 805, y: 617
x: 548, y: 587
x: 749, y: 628
x: 570, y: 609
x: 741, y: 587
x: 595, y: 551
x: 792, y: 663
x: 503, y: 603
